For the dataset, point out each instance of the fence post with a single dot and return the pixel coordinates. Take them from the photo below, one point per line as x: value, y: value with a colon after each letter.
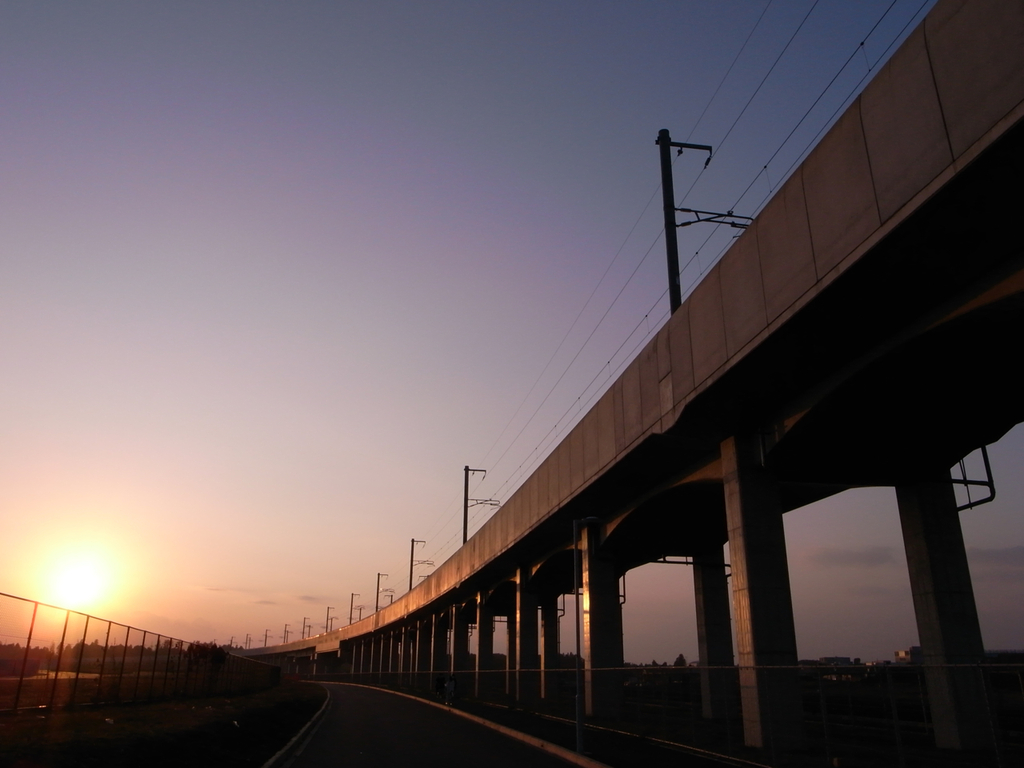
x: 78, y: 667
x: 60, y: 658
x: 992, y: 715
x: 895, y: 717
x: 24, y: 661
x: 124, y: 661
x: 103, y: 665
x: 824, y: 717
x: 138, y: 667
x: 156, y: 660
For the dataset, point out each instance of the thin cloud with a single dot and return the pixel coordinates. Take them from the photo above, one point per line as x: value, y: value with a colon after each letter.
x: 309, y: 599
x: 997, y: 564
x: 852, y: 557
x: 999, y: 557
x: 872, y: 591
x: 265, y: 602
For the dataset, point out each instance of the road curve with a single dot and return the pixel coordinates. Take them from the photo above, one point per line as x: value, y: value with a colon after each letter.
x: 369, y: 728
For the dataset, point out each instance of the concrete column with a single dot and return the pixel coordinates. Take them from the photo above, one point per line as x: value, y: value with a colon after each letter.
x: 602, y: 630
x: 372, y: 668
x: 423, y: 653
x: 398, y: 653
x: 408, y: 655
x: 439, y: 646
x: 527, y: 652
x: 513, y: 654
x: 392, y: 654
x: 714, y: 633
x: 460, y: 640
x: 947, y: 618
x: 763, y: 605
x: 375, y: 657
x: 549, y: 653
x: 484, y: 646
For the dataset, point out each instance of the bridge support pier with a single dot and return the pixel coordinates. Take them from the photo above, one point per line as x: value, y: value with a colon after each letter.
x: 484, y: 646
x: 947, y: 617
x: 763, y: 605
x: 423, y: 653
x: 460, y: 640
x: 393, y: 650
x: 549, y: 653
x: 602, y: 631
x: 372, y: 659
x: 513, y: 653
x: 438, y: 645
x: 347, y: 654
x: 527, y: 656
x: 714, y: 633
x: 408, y: 655
x: 361, y: 666
x: 380, y: 641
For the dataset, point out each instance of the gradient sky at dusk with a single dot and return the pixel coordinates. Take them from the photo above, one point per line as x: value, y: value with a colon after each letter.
x: 272, y: 273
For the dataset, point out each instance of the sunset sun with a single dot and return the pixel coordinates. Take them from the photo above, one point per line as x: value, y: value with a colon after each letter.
x: 79, y: 581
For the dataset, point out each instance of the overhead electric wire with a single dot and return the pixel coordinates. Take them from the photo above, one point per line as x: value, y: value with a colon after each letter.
x: 802, y: 119
x: 860, y: 47
x: 572, y: 326
x: 845, y: 102
x: 582, y: 346
x: 842, y: 105
x: 600, y: 282
x: 583, y: 400
x: 729, y: 70
x: 451, y: 515
x: 516, y: 474
x: 629, y: 279
x: 721, y: 142
x: 767, y: 75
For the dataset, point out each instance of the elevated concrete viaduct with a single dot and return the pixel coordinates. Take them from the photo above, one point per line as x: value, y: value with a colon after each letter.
x: 864, y: 330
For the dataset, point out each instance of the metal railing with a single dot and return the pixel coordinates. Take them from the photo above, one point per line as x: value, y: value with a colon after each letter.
x: 851, y: 715
x: 55, y: 657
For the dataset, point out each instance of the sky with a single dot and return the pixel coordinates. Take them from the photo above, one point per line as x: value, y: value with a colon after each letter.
x: 273, y: 273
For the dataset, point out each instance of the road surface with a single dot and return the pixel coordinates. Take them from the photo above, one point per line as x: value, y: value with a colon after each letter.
x: 368, y: 728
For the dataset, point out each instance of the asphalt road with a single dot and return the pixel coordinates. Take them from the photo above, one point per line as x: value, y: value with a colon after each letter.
x: 367, y: 728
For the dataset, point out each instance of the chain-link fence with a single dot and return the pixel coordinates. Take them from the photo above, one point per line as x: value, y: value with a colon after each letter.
x: 54, y: 657
x: 856, y: 715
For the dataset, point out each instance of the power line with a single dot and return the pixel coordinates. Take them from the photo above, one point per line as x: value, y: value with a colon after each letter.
x: 859, y: 48
x: 845, y: 102
x: 582, y: 347
x: 827, y: 123
x: 531, y: 457
x: 767, y: 75
x: 571, y: 327
x: 583, y: 400
x: 729, y: 70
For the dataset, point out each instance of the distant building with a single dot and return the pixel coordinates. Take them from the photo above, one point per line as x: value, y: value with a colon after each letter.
x: 839, y: 661
x: 1005, y: 656
x: 911, y: 655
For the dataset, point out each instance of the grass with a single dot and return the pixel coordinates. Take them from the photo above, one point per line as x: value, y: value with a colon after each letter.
x: 218, y: 731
